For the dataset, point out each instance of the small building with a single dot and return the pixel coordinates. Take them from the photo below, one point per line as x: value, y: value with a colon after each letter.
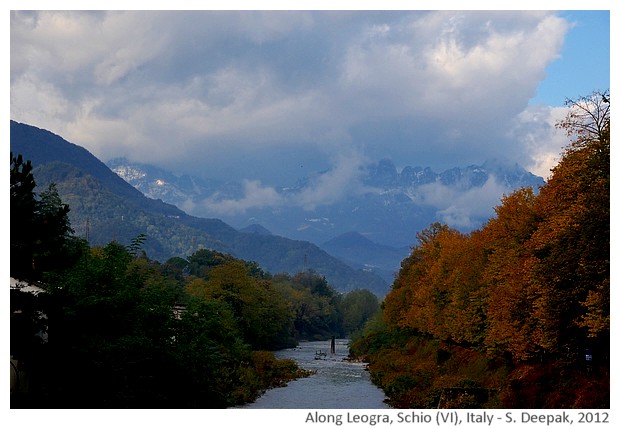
x: 19, y: 378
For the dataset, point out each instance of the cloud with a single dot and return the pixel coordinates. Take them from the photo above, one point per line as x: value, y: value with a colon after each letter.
x: 542, y: 142
x: 255, y: 195
x: 216, y: 93
x: 321, y: 189
x: 459, y: 208
x: 341, y: 180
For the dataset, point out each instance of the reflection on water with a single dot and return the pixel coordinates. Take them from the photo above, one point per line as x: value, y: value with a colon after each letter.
x: 336, y: 383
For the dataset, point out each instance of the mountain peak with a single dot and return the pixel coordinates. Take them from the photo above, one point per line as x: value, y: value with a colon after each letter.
x: 256, y: 229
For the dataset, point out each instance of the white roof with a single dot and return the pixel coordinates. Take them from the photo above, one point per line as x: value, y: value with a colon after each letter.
x: 25, y: 286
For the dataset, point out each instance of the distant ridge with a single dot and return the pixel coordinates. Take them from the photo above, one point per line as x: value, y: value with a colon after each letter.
x: 359, y: 251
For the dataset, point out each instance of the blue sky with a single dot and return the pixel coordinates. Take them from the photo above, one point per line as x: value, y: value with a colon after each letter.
x: 588, y: 40
x: 268, y: 97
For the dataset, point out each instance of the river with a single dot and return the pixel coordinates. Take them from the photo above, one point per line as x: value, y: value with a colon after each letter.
x: 336, y: 384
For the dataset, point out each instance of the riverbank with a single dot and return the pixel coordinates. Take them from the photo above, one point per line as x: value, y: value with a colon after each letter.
x: 421, y: 372
x: 336, y: 382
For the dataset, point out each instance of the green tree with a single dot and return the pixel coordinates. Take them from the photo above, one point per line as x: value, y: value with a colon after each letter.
x: 41, y: 234
x: 55, y: 244
x: 209, y: 351
x: 203, y: 261
x: 315, y: 304
x: 358, y: 306
x: 262, y: 314
x: 22, y: 217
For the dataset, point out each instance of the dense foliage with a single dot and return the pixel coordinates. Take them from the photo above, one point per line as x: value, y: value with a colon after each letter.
x: 117, y: 329
x: 515, y: 307
x: 41, y: 234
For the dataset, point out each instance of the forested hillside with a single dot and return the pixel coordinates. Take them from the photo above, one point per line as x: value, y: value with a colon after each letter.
x: 517, y: 313
x: 115, y: 329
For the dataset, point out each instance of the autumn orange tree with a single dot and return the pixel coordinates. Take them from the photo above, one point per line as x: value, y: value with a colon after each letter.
x: 438, y: 290
x: 507, y: 275
x: 571, y: 243
x: 410, y: 303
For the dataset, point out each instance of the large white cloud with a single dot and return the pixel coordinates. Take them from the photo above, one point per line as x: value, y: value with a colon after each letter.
x: 462, y: 209
x: 210, y: 91
x: 535, y: 130
x: 328, y: 187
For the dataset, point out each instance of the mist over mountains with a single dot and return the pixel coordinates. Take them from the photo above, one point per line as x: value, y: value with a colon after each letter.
x: 384, y: 204
x: 370, y: 222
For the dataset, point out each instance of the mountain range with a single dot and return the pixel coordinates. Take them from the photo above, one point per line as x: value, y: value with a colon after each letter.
x: 371, y: 227
x: 105, y: 207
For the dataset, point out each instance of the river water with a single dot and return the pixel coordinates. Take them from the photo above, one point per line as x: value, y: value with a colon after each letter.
x: 336, y: 384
